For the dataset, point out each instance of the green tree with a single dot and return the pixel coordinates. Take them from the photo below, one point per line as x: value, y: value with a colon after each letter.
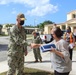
x: 47, y: 22
x: 8, y: 25
x: 1, y: 28
x: 41, y: 25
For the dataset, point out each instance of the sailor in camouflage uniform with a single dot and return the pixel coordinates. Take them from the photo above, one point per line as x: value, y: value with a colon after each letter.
x: 17, y: 47
x: 36, y: 51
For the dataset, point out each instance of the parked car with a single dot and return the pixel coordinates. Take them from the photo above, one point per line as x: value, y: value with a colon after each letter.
x: 46, y: 38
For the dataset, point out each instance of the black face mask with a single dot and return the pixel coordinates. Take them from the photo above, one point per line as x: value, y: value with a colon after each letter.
x: 68, y: 31
x: 21, y: 22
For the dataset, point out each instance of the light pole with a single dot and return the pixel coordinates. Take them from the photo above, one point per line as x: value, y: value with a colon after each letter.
x: 34, y: 22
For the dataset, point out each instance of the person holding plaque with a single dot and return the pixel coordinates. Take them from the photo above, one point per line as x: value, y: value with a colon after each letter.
x: 60, y: 57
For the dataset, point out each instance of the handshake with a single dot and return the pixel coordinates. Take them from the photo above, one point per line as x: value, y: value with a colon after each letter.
x: 33, y: 45
x: 44, y: 47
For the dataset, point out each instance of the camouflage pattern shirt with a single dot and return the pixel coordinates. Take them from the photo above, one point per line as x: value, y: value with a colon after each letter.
x: 17, y: 42
x: 37, y: 40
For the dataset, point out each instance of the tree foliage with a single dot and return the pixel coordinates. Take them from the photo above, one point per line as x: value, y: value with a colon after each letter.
x: 41, y: 25
x: 1, y: 26
x: 8, y: 25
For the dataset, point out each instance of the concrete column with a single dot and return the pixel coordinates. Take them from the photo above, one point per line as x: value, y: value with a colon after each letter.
x: 72, y: 29
x: 66, y: 25
x: 61, y: 27
x: 49, y: 29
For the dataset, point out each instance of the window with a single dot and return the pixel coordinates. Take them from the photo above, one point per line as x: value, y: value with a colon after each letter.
x: 63, y: 27
x: 73, y: 15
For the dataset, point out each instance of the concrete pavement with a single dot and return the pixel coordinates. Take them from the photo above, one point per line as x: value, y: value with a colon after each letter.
x: 45, y: 65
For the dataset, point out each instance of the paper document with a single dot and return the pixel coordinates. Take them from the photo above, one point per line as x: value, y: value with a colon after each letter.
x: 47, y: 47
x: 71, y: 45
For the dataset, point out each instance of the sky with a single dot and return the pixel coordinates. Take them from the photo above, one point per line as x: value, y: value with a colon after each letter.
x: 36, y: 11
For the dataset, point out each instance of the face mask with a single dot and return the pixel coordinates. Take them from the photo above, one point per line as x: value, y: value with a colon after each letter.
x: 21, y: 22
x: 68, y: 31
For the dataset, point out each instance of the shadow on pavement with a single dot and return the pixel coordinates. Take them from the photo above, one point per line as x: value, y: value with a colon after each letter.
x: 74, y: 61
x: 3, y: 47
x: 37, y: 62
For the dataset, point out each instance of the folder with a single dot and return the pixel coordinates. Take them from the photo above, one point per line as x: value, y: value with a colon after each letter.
x: 47, y: 47
x: 71, y: 46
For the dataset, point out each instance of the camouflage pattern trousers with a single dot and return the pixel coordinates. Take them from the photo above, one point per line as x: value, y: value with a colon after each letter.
x: 37, y: 54
x: 16, y: 65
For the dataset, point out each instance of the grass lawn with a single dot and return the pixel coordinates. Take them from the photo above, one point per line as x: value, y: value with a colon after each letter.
x: 29, y: 71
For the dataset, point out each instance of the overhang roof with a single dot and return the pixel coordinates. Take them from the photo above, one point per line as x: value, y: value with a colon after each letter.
x: 71, y: 11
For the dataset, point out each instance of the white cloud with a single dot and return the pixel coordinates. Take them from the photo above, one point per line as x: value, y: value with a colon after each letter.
x: 34, y: 3
x: 38, y: 7
x: 42, y: 10
x: 31, y: 3
x: 14, y: 12
x: 5, y: 1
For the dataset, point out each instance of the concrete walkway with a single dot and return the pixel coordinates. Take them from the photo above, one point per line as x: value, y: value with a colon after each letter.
x: 45, y: 65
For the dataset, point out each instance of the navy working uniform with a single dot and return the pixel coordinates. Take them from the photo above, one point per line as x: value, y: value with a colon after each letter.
x: 16, y: 50
x: 36, y: 51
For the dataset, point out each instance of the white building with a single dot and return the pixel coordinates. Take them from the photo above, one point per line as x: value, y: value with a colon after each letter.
x: 71, y: 21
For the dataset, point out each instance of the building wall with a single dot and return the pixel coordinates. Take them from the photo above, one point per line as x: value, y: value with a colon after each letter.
x: 47, y: 29
x: 71, y: 21
x: 4, y: 31
x: 71, y: 15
